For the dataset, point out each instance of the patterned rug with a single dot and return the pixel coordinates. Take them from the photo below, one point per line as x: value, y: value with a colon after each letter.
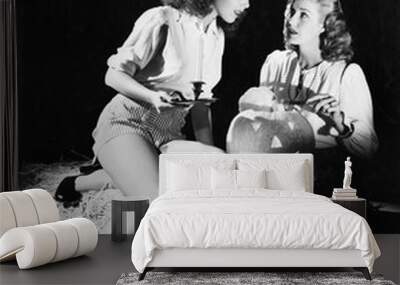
x: 244, y: 278
x: 95, y: 205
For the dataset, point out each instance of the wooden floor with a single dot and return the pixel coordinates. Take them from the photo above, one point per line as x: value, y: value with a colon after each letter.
x: 111, y: 259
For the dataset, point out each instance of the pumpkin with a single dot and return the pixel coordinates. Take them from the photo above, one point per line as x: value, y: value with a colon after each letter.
x: 257, y: 98
x: 253, y: 131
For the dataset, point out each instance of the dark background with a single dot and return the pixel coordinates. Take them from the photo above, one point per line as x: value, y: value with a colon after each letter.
x: 63, y: 46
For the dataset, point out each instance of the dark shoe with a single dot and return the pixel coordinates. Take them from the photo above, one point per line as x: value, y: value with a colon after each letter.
x: 67, y: 194
x: 87, y: 169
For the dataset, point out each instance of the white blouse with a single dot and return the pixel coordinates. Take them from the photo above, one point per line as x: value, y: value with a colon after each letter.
x: 281, y: 72
x: 170, y: 49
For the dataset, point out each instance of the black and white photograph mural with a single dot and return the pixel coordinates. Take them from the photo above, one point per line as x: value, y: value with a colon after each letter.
x: 105, y: 86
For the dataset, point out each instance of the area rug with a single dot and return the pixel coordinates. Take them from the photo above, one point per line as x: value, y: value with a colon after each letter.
x: 95, y: 205
x: 244, y: 278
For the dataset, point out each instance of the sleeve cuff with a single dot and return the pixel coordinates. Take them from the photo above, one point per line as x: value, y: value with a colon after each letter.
x: 347, y: 132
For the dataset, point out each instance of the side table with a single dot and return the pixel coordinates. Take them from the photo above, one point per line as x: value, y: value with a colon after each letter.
x: 118, y: 207
x: 358, y: 205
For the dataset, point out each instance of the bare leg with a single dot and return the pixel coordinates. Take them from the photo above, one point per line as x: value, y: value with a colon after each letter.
x: 132, y: 164
x: 94, y: 181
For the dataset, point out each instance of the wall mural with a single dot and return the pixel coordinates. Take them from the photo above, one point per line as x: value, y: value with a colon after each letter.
x: 63, y: 49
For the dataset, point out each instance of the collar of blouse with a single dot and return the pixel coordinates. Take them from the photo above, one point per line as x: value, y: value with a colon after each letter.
x: 186, y: 18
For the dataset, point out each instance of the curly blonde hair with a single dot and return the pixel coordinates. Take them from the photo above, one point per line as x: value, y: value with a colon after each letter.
x: 335, y: 41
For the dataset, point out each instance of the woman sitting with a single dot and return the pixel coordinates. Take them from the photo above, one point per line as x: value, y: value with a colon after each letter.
x: 310, y: 95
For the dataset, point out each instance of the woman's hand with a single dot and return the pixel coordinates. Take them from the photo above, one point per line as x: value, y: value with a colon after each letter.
x: 161, y: 101
x: 328, y: 106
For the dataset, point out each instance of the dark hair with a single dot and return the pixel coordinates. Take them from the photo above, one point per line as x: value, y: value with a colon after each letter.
x: 199, y: 8
x: 335, y: 41
x: 202, y: 8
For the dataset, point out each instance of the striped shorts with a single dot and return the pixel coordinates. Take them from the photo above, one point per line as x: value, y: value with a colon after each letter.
x: 123, y: 115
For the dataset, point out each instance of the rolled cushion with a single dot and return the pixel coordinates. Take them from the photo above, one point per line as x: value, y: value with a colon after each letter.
x: 67, y: 240
x: 26, y: 208
x: 40, y: 244
x: 45, y: 206
x: 7, y: 220
x: 24, y: 211
x: 32, y: 246
x: 87, y: 234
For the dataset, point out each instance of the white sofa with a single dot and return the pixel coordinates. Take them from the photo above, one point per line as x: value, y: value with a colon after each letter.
x: 31, y: 233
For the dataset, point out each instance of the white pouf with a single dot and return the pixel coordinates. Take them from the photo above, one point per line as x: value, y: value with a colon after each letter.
x: 31, y: 233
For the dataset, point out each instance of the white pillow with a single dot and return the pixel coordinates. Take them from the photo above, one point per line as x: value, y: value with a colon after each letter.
x: 181, y: 177
x: 282, y: 174
x: 223, y: 179
x: 237, y: 179
x: 251, y: 178
x: 193, y: 174
x: 292, y: 179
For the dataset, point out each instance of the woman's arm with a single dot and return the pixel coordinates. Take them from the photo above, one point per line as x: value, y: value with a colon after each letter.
x: 202, y: 123
x: 146, y: 38
x: 356, y: 105
x: 125, y: 84
x: 128, y: 86
x: 352, y: 114
x: 270, y: 70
